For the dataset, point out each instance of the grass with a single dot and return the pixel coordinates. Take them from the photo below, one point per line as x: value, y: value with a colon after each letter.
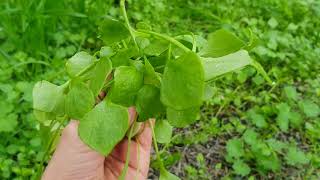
x: 275, y: 127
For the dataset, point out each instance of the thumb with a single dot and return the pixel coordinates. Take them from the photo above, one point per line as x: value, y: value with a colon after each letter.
x: 73, y: 159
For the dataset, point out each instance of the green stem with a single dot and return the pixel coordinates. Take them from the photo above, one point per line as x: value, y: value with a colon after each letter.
x: 125, y: 169
x: 155, y: 144
x: 138, y: 161
x: 261, y: 71
x: 167, y: 38
x: 124, y: 13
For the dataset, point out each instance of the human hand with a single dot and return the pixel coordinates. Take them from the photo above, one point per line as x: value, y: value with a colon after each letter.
x: 74, y: 160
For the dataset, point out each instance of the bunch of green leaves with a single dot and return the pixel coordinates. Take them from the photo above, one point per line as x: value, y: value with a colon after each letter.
x: 163, y: 77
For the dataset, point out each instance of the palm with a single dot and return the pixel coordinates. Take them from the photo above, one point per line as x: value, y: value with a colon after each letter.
x: 75, y: 160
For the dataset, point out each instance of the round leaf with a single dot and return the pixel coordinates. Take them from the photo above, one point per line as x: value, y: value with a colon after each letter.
x: 163, y: 131
x: 112, y: 31
x: 127, y: 82
x: 78, y: 62
x: 79, y: 101
x: 148, y: 102
x: 183, y: 82
x: 182, y: 118
x: 104, y: 126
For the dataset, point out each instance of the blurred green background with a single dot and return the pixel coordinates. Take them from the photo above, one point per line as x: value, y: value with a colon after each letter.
x: 248, y: 130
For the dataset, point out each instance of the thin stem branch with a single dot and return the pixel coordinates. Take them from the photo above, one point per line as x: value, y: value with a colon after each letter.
x: 155, y: 144
x: 124, y: 13
x: 167, y: 38
x: 125, y: 169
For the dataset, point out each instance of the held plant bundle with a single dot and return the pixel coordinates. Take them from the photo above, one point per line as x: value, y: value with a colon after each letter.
x: 164, y: 77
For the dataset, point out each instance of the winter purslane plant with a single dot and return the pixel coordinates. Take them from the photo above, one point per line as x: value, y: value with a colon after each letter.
x: 163, y: 77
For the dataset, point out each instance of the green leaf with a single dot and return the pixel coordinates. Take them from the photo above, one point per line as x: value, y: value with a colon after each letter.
x: 241, y: 168
x: 79, y: 101
x: 48, y: 97
x: 112, y: 31
x: 106, y: 51
x: 102, y: 69
x: 183, y: 82
x: 235, y: 148
x: 294, y: 156
x: 163, y: 131
x: 156, y: 47
x: 257, y: 119
x: 182, y: 118
x: 165, y: 175
x: 214, y: 67
x: 283, y: 116
x: 148, y: 102
x: 208, y: 92
x: 127, y: 83
x: 8, y: 123
x: 104, y: 126
x: 150, y: 76
x: 122, y: 58
x: 250, y: 137
x: 43, y: 116
x: 291, y: 93
x: 276, y: 145
x: 273, y: 23
x: 295, y: 119
x: 270, y: 162
x: 78, y: 62
x: 309, y: 108
x: 221, y: 43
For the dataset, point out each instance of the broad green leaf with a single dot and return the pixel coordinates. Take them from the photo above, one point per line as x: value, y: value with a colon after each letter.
x: 283, y: 116
x: 8, y: 123
x: 241, y: 168
x: 214, y: 67
x: 221, y: 43
x: 165, y: 175
x: 148, y: 104
x: 5, y: 107
x: 183, y: 82
x: 127, y: 82
x: 150, y: 76
x: 182, y: 118
x: 102, y: 69
x: 122, y: 58
x: 106, y: 51
x: 156, y: 47
x: 291, y: 93
x: 270, y: 162
x: 48, y: 97
x: 235, y: 148
x: 43, y: 116
x: 276, y: 145
x: 78, y: 62
x: 250, y: 137
x: 296, y: 157
x: 142, y: 42
x: 79, y: 101
x: 208, y: 92
x: 159, y: 62
x: 309, y: 108
x: 257, y: 119
x: 295, y: 119
x: 112, y: 31
x: 104, y: 126
x: 163, y: 131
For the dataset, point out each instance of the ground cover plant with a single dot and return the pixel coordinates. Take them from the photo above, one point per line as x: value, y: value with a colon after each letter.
x: 275, y: 128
